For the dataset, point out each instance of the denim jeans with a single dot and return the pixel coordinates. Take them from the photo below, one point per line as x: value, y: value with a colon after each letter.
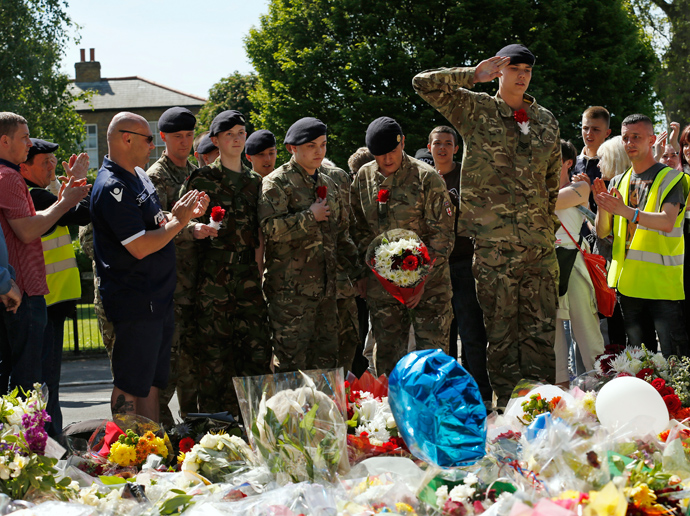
x: 668, y: 322
x: 21, y: 343
x: 470, y: 322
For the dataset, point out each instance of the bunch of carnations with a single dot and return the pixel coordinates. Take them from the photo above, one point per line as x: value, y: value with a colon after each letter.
x: 372, y: 427
x: 217, y: 216
x: 132, y: 450
x: 664, y: 375
x: 24, y: 471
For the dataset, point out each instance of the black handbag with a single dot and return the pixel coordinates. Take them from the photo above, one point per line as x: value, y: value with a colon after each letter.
x: 566, y: 260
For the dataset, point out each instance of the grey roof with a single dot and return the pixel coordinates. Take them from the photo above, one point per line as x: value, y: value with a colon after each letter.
x: 131, y: 93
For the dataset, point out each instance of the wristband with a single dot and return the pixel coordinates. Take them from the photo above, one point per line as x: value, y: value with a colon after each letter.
x: 636, y: 216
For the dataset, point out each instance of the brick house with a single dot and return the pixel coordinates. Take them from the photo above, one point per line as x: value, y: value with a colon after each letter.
x: 112, y: 95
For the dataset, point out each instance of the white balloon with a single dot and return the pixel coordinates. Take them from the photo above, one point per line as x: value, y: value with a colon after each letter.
x: 624, y: 399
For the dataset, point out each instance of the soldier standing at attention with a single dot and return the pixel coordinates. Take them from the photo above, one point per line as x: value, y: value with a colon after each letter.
x: 261, y: 152
x: 509, y: 186
x: 168, y: 174
x: 417, y: 200
x: 230, y: 307
x: 306, y: 227
x: 204, y: 150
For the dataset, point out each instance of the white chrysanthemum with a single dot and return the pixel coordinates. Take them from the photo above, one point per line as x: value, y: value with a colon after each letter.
x: 441, y: 496
x: 470, y: 479
x: 659, y: 362
x: 634, y: 352
x: 598, y: 368
x: 621, y: 364
x: 461, y: 492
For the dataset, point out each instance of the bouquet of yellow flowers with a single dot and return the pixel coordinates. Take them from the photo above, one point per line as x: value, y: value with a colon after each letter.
x: 132, y: 450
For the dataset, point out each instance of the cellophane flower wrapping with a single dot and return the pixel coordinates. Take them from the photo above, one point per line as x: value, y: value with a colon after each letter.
x: 400, y: 261
x: 438, y: 408
x: 141, y: 437
x: 218, y: 457
x: 296, y: 423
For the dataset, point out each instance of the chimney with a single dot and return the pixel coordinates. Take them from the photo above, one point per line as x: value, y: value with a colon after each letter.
x: 87, y: 71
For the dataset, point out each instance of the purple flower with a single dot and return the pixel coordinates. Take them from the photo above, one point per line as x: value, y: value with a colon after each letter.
x: 34, y: 433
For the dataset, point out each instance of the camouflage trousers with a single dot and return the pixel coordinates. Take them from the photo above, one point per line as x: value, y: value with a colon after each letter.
x: 348, y: 332
x: 233, y: 336
x: 305, y: 330
x: 517, y: 291
x: 391, y: 320
x: 181, y: 377
x: 104, y: 325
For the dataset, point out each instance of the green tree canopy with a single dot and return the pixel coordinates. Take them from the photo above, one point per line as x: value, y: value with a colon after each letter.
x: 669, y: 22
x: 231, y: 92
x: 32, y: 42
x: 350, y: 61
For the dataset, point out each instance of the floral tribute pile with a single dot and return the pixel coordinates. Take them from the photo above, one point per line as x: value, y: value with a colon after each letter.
x: 318, y: 445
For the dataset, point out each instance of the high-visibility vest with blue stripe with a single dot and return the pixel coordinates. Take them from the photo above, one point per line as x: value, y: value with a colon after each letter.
x: 652, y: 268
x: 62, y: 273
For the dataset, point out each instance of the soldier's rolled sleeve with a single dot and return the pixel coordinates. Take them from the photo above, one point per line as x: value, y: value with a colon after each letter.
x: 277, y: 223
x: 446, y: 89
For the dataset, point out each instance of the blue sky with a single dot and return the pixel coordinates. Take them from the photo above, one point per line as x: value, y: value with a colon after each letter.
x: 185, y: 45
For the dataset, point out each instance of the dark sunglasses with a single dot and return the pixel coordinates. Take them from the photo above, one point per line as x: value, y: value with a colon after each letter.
x: 149, y: 137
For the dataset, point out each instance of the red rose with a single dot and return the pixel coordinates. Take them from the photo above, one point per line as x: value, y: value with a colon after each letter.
x: 410, y: 263
x: 644, y: 373
x: 667, y: 391
x: 520, y: 116
x: 672, y: 403
x: 658, y: 383
x: 383, y: 196
x: 186, y: 444
x: 321, y: 192
x: 425, y: 254
x: 217, y: 214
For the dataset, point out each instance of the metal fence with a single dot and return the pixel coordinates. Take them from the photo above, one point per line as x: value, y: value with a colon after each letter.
x: 82, y: 334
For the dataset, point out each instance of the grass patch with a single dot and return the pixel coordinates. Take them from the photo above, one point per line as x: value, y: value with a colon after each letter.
x: 90, y: 339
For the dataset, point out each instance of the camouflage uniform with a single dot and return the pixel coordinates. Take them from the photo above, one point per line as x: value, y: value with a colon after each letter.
x: 348, y: 324
x: 419, y: 202
x: 104, y: 325
x: 509, y: 186
x: 301, y: 266
x: 230, y: 307
x: 168, y: 178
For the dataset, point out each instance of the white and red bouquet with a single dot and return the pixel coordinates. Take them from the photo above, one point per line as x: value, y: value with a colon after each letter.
x: 217, y: 216
x: 400, y: 261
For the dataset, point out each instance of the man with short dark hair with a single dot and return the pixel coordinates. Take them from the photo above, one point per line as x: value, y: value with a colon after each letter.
x: 261, y: 152
x: 62, y: 273
x: 644, y: 208
x: 418, y: 201
x: 509, y: 186
x: 595, y: 130
x: 21, y: 334
x: 135, y: 264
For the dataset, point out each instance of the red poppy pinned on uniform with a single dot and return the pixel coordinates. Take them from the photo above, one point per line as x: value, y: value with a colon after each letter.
x: 383, y: 196
x: 321, y: 192
x: 522, y: 120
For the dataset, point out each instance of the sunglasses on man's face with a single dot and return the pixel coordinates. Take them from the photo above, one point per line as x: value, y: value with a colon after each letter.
x: 149, y: 137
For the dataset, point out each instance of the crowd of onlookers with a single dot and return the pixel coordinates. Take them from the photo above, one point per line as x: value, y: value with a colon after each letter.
x: 209, y: 271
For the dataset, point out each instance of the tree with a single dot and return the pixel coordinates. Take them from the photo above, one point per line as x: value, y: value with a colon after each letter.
x: 231, y: 92
x: 33, y: 39
x: 350, y: 61
x: 670, y: 24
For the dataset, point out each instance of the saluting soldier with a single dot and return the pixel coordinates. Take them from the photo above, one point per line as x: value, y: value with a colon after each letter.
x: 305, y: 223
x: 230, y: 307
x: 418, y: 201
x: 509, y: 186
x: 168, y: 174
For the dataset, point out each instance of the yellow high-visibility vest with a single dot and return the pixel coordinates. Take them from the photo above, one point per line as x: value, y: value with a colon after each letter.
x: 652, y: 268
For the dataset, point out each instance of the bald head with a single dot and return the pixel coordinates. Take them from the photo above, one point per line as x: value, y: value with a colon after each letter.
x: 129, y: 140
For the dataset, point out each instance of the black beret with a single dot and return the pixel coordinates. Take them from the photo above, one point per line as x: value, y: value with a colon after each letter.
x: 383, y: 135
x: 176, y: 119
x: 226, y: 120
x: 41, y: 147
x: 205, y: 145
x: 305, y: 130
x: 424, y: 155
x: 518, y: 54
x: 259, y: 141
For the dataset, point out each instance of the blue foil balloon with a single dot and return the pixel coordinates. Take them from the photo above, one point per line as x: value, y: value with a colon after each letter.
x: 438, y: 409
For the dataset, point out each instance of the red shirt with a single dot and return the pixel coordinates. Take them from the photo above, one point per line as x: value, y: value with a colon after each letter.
x: 27, y: 259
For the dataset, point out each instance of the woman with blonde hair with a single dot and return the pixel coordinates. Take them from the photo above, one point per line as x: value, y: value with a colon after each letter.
x: 613, y: 160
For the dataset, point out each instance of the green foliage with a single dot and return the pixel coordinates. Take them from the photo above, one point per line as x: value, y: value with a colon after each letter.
x: 350, y: 61
x: 668, y: 24
x: 33, y: 39
x: 231, y: 92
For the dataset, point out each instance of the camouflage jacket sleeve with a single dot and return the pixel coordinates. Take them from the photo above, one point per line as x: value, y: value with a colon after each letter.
x: 440, y: 219
x: 446, y: 90
x: 359, y: 229
x: 187, y: 233
x: 277, y: 223
x: 553, y: 181
x: 86, y: 240
x: 348, y: 256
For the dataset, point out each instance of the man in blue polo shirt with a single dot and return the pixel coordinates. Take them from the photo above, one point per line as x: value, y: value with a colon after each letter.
x: 135, y: 264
